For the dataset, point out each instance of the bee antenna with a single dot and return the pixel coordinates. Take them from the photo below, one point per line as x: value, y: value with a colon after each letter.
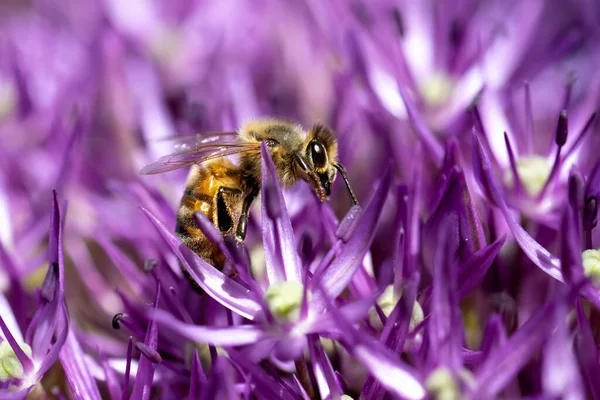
x: 340, y: 168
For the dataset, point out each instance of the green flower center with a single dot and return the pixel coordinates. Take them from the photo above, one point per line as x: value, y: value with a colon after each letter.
x: 387, y: 301
x: 533, y: 172
x: 591, y: 263
x: 437, y: 89
x: 284, y: 300
x: 10, y: 366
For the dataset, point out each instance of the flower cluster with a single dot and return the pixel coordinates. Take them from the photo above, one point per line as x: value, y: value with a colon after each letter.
x: 470, y: 269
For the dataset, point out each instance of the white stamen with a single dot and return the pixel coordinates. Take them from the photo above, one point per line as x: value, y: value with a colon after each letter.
x: 10, y: 366
x: 442, y: 386
x: 387, y: 301
x: 591, y: 263
x: 533, y: 172
x: 284, y: 300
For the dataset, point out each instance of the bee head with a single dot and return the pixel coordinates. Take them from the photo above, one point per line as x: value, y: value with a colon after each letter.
x: 318, y: 162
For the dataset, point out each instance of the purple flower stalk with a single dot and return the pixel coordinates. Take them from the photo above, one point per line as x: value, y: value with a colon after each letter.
x: 469, y: 133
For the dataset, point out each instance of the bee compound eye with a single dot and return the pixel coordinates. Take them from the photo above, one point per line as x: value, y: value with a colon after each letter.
x: 271, y: 142
x: 318, y: 156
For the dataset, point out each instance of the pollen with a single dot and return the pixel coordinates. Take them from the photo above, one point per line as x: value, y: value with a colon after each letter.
x: 10, y: 366
x: 533, y: 172
x: 284, y: 300
x: 437, y: 89
x: 442, y: 385
x: 591, y: 263
x: 387, y: 301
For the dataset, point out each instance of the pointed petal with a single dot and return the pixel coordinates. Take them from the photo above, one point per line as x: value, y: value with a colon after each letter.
x: 50, y: 358
x: 560, y: 372
x: 502, y: 366
x: 112, y: 382
x: 263, y: 383
x: 52, y: 290
x: 394, y: 334
x: 323, y: 370
x: 197, y: 379
x: 145, y: 373
x: 430, y: 142
x: 456, y: 201
x: 218, y: 336
x: 445, y: 325
x: 224, y: 290
x: 335, y: 278
x: 282, y: 261
x: 475, y: 268
x: 127, y: 375
x: 489, y: 184
x: 494, y: 336
x: 587, y: 352
x: 23, y: 358
x: 81, y: 382
x: 383, y: 364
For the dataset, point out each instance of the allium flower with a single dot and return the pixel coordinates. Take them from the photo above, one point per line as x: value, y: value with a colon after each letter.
x: 469, y: 131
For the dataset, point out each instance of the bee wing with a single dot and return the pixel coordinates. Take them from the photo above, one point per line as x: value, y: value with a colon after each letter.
x: 197, y: 155
x: 181, y: 143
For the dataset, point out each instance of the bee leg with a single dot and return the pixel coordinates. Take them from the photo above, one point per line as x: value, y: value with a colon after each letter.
x: 243, y: 222
x: 224, y: 219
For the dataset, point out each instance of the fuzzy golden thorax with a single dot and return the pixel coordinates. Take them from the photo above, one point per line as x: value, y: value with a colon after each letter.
x: 296, y: 154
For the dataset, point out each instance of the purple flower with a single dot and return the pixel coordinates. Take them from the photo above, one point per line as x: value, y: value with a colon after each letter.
x: 469, y: 131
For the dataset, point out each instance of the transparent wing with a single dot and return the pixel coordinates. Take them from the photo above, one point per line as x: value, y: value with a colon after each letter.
x: 197, y: 155
x: 181, y: 143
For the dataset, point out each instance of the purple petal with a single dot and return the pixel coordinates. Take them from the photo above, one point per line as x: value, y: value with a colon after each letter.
x: 220, y: 383
x: 348, y: 223
x: 266, y: 386
x: 52, y: 288
x: 473, y: 271
x: 445, y: 328
x: 224, y: 290
x: 323, y: 370
x: 111, y: 379
x: 145, y: 373
x: 218, y: 336
x: 430, y: 142
x: 81, y: 382
x: 335, y: 278
x: 20, y: 395
x: 395, y: 333
x: 127, y: 376
x: 24, y: 359
x: 494, y: 336
x: 560, y: 372
x: 324, y: 322
x: 503, y: 365
x: 282, y: 261
x: 486, y: 178
x: 456, y: 201
x: 587, y: 352
x: 382, y: 363
x: 52, y: 355
x: 197, y: 379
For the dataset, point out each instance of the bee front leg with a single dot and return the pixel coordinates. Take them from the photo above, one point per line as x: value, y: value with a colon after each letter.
x: 243, y: 221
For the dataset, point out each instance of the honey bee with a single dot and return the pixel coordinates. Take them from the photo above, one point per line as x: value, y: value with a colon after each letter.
x: 224, y: 191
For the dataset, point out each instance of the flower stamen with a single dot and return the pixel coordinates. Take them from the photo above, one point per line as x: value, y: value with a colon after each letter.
x: 10, y: 366
x: 284, y: 300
